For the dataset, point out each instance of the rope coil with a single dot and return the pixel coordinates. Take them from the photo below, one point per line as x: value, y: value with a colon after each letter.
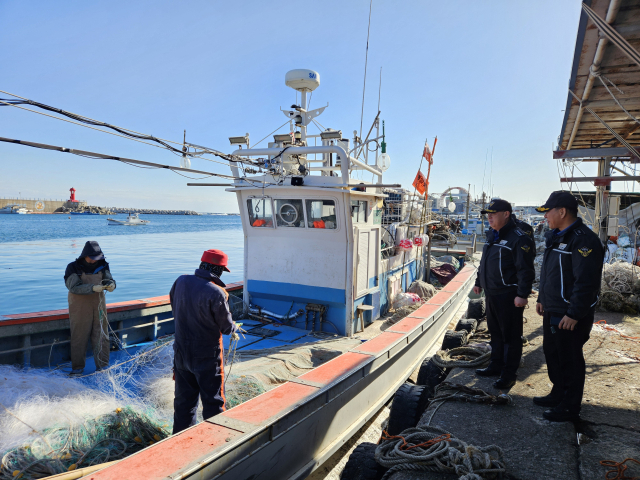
x: 461, y: 357
x: 432, y: 449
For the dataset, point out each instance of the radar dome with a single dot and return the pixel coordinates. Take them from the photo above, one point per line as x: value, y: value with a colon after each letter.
x: 302, y: 79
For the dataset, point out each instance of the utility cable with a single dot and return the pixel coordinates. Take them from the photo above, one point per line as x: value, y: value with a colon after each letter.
x: 84, y: 153
x: 124, y: 131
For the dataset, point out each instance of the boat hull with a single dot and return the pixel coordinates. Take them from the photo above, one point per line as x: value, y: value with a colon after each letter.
x: 289, y: 431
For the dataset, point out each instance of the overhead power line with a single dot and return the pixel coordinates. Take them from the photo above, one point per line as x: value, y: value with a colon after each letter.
x: 130, y: 161
x: 132, y: 134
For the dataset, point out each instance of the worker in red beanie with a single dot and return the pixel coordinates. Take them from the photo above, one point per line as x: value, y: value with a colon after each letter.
x: 201, y: 312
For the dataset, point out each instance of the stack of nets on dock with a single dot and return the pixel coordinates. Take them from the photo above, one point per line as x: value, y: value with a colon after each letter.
x: 620, y: 288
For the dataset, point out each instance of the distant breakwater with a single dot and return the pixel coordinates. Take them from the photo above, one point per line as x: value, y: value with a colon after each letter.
x: 116, y: 210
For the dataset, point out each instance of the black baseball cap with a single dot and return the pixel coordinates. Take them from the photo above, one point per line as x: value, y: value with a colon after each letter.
x: 559, y: 199
x: 497, y: 206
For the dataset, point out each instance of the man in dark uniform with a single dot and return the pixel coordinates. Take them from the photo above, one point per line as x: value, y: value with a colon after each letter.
x: 201, y: 311
x: 87, y: 278
x: 569, y: 288
x: 506, y: 274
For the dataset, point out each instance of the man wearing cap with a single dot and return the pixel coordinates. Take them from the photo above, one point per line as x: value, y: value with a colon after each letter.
x: 506, y: 274
x: 87, y: 278
x: 201, y: 312
x: 569, y: 288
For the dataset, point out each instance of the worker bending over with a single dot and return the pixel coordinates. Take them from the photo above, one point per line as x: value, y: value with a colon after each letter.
x: 201, y: 312
x: 506, y: 275
x: 87, y: 278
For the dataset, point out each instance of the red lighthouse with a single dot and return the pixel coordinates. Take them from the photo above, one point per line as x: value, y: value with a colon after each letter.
x: 73, y: 195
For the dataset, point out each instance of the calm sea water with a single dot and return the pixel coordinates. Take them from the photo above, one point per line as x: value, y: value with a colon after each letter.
x: 144, y: 260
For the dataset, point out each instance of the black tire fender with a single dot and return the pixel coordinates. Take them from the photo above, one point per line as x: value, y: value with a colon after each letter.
x: 477, y: 308
x: 362, y: 464
x: 409, y: 402
x: 430, y: 376
x: 454, y: 339
x: 468, y: 324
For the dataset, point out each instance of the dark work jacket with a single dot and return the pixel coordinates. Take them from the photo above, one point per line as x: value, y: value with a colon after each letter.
x: 526, y: 228
x: 507, y: 264
x: 571, y: 272
x: 201, y: 314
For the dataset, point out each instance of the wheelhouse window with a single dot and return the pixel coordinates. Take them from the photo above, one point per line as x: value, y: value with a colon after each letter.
x: 260, y: 212
x: 321, y: 214
x: 289, y: 213
x: 359, y: 211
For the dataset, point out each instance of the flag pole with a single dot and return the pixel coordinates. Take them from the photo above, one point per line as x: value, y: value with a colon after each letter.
x: 427, y: 274
x: 404, y: 253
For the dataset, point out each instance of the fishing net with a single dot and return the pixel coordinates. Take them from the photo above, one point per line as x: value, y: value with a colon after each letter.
x: 620, y: 288
x: 423, y: 289
x: 51, y: 423
x: 96, y: 440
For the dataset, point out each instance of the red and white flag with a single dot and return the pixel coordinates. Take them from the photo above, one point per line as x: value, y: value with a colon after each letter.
x: 427, y: 153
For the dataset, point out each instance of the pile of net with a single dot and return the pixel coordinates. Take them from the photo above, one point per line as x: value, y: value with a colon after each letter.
x: 423, y: 289
x: 620, y: 288
x: 51, y: 423
x: 108, y: 437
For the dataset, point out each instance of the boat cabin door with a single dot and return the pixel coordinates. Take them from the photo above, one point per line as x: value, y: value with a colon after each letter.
x: 367, y: 269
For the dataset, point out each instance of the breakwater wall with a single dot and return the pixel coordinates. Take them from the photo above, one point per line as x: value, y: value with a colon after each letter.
x: 152, y: 211
x: 38, y: 205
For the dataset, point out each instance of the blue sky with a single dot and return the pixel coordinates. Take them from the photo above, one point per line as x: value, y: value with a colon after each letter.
x: 481, y: 75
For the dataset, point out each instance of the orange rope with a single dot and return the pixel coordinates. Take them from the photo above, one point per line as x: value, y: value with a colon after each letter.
x: 620, y: 468
x: 441, y: 438
x: 603, y: 324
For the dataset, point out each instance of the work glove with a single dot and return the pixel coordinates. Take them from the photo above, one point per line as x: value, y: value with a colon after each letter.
x: 98, y: 288
x: 237, y: 328
x: 110, y: 285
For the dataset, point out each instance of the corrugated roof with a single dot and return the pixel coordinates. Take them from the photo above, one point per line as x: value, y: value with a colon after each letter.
x: 594, y: 53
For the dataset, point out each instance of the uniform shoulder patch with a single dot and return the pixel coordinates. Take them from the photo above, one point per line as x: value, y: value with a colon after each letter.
x: 578, y: 231
x: 526, y: 248
x: 585, y: 252
x: 519, y: 232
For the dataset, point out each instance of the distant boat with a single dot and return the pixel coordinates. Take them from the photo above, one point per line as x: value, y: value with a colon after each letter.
x: 132, y: 219
x: 14, y: 209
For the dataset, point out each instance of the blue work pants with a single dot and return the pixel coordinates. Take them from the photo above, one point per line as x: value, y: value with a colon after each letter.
x: 197, y: 377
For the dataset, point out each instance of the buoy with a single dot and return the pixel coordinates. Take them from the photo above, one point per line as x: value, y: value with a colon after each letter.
x: 156, y: 437
x: 118, y: 410
x: 73, y: 466
x: 138, y: 440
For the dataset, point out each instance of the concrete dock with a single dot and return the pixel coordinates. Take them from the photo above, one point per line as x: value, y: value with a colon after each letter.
x: 536, y: 449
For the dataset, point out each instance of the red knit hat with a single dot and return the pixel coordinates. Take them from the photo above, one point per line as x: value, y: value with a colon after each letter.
x: 216, y: 257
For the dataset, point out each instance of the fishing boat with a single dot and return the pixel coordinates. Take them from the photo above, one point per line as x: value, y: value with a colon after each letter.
x: 325, y: 255
x: 14, y: 209
x: 132, y: 219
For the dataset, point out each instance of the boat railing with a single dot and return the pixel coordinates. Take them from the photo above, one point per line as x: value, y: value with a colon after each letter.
x: 343, y: 168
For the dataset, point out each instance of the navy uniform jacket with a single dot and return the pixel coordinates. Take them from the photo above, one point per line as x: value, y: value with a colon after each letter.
x: 507, y: 262
x: 201, y: 314
x: 571, y: 271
